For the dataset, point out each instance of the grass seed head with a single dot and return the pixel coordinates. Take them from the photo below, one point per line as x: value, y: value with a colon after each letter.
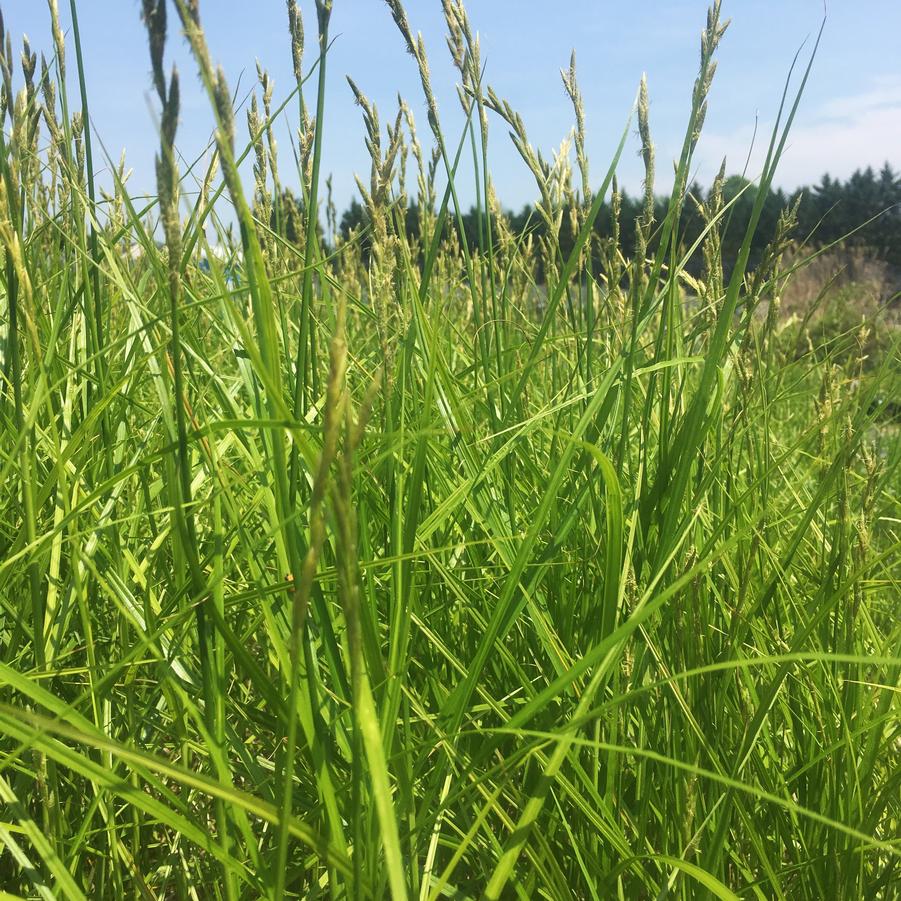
x: 154, y: 13
x: 295, y: 28
x: 456, y: 43
x: 225, y: 109
x: 29, y: 62
x: 59, y: 43
x: 647, y: 152
x: 571, y: 85
x: 416, y: 48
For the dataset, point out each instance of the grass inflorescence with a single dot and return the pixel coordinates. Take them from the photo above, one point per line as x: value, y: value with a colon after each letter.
x: 402, y: 564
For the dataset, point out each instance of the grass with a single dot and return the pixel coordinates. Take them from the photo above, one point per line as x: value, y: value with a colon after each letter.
x: 331, y: 580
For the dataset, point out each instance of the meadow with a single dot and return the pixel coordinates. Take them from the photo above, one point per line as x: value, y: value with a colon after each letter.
x: 412, y: 566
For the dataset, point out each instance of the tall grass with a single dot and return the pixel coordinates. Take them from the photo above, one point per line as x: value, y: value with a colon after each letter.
x: 419, y: 578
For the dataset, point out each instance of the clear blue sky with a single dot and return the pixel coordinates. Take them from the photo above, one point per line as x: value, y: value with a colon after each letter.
x: 851, y: 114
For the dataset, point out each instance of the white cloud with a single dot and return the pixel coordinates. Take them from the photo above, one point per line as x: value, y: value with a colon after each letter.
x: 837, y: 137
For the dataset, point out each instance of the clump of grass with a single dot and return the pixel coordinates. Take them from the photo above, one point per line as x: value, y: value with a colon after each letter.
x: 460, y: 567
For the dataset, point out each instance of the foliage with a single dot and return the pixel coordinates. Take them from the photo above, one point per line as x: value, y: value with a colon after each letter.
x: 864, y: 211
x: 495, y: 565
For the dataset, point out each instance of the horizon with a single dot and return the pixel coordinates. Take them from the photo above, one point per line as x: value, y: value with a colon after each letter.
x: 849, y: 119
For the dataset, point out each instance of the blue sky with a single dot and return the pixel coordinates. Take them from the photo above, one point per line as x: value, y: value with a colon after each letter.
x: 850, y: 116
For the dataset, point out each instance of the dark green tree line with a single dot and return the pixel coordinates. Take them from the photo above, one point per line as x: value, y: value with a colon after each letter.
x: 864, y: 210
